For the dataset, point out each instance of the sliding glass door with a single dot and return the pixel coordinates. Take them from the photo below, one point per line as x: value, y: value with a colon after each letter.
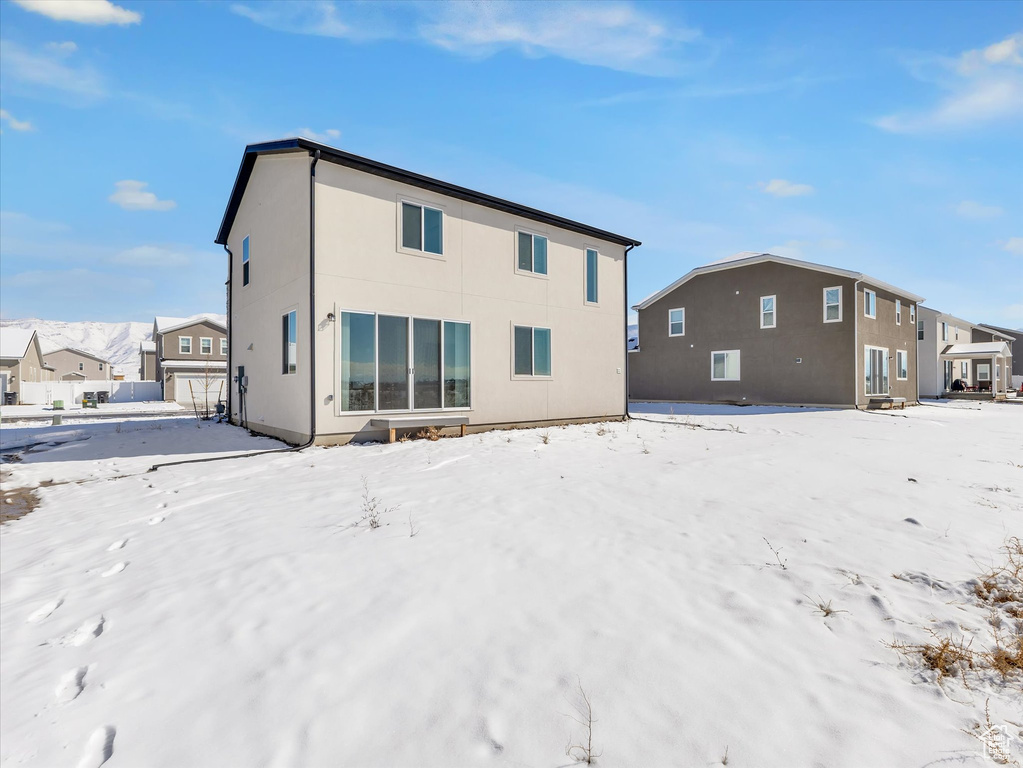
x: 426, y: 363
x: 392, y: 363
x: 876, y: 370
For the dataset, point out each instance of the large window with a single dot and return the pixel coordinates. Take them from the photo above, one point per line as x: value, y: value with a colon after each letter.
x: 532, y: 253
x: 245, y: 261
x: 869, y: 303
x: 875, y: 370
x: 898, y: 312
x: 768, y: 318
x: 205, y: 345
x: 724, y: 365
x: 901, y: 365
x: 184, y: 345
x: 422, y: 228
x: 833, y: 305
x: 591, y: 276
x: 532, y: 351
x: 289, y: 342
x: 677, y: 322
x: 399, y: 363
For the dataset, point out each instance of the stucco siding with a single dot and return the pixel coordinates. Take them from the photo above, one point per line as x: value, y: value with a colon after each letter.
x: 882, y: 331
x: 67, y: 361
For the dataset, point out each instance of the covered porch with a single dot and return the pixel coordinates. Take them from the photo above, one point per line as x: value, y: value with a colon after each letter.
x: 981, y: 370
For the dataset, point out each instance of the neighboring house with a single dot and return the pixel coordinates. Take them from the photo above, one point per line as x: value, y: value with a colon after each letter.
x: 760, y: 328
x: 21, y: 360
x: 191, y: 358
x: 76, y: 365
x: 1014, y: 334
x: 952, y: 349
x: 364, y: 298
x: 147, y: 361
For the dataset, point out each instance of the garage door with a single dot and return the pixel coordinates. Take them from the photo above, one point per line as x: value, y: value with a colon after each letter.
x: 217, y: 389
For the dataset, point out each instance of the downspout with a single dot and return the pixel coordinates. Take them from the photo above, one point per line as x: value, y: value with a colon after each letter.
x: 230, y: 346
x: 625, y: 265
x: 856, y: 345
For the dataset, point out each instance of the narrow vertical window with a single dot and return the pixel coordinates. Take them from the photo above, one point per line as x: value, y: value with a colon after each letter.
x: 901, y: 365
x: 411, y: 226
x: 944, y: 331
x: 289, y: 342
x: 591, y: 276
x: 833, y: 305
x: 456, y: 365
x: 245, y: 261
x: 677, y: 322
x: 767, y: 313
x: 869, y: 303
x: 358, y: 361
x: 912, y: 313
x: 223, y: 346
x: 898, y: 312
x: 919, y: 330
x: 392, y: 363
x: 531, y: 253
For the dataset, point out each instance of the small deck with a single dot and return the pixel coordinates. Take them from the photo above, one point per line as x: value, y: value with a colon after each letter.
x: 887, y: 402
x: 406, y: 423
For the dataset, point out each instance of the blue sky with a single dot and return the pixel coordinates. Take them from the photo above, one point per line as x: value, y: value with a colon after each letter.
x: 881, y: 137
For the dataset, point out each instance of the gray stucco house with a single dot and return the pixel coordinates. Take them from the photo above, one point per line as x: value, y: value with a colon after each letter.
x: 21, y: 360
x: 77, y: 365
x: 190, y: 357
x: 760, y: 328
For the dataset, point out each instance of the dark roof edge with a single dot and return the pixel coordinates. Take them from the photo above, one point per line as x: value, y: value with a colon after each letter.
x: 366, y: 165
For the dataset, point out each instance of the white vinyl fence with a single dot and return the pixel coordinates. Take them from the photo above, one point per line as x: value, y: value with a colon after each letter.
x: 45, y: 392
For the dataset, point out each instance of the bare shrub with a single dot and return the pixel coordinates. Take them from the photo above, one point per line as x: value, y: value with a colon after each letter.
x: 545, y: 437
x: 372, y: 508
x: 583, y: 753
x: 428, y: 433
x: 777, y: 556
x: 823, y: 608
x: 948, y: 656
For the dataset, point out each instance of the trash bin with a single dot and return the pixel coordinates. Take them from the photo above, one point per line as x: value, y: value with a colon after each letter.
x: 10, y: 398
x: 58, y: 405
x: 103, y: 397
x: 88, y: 396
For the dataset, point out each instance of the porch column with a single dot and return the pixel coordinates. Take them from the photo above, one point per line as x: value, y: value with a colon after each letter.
x: 994, y: 375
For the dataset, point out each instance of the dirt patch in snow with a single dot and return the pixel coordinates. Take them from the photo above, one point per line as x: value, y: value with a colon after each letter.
x: 18, y: 502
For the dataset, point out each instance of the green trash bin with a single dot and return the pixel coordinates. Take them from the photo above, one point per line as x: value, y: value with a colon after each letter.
x: 58, y: 405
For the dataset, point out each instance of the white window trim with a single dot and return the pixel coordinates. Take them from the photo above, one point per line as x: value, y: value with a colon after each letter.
x: 725, y: 352
x: 874, y: 302
x: 898, y: 311
x: 983, y: 367
x: 866, y: 354
x: 683, y: 311
x: 531, y: 273
x: 532, y: 376
x: 586, y: 249
x: 825, y: 295
x: 223, y: 345
x: 182, y: 351
x: 774, y: 311
x: 901, y: 353
x: 201, y: 340
x: 246, y: 258
x: 422, y: 232
x: 376, y: 362
x: 912, y: 314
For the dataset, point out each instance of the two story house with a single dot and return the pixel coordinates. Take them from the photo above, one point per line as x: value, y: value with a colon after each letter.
x: 366, y: 300
x: 21, y: 360
x: 954, y: 350
x: 77, y: 365
x: 760, y: 328
x: 190, y: 357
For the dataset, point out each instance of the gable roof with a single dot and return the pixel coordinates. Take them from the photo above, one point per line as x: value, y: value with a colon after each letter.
x: 81, y: 352
x: 1003, y: 332
x: 332, y: 155
x: 979, y: 348
x: 147, y: 346
x: 747, y: 258
x: 168, y: 324
x: 14, y: 342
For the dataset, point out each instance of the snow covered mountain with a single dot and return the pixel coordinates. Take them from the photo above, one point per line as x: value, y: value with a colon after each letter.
x: 116, y: 342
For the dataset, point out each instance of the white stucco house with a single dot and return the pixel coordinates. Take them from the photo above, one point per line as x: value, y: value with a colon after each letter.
x: 366, y: 300
x: 957, y: 355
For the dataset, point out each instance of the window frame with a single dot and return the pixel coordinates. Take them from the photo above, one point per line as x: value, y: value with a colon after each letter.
x: 183, y: 351
x: 944, y: 331
x: 422, y: 205
x: 920, y: 329
x: 409, y: 319
x: 901, y: 361
x: 101, y: 366
x: 867, y: 349
x: 983, y: 367
x: 773, y: 310
x: 912, y: 314
x: 210, y: 340
x: 872, y: 303
x: 285, y: 363
x: 532, y: 376
x: 839, y: 304
x: 738, y: 354
x: 81, y: 366
x: 898, y: 311
x: 532, y: 253
x: 223, y: 345
x: 683, y: 311
x: 587, y: 249
x: 964, y: 369
x: 246, y: 253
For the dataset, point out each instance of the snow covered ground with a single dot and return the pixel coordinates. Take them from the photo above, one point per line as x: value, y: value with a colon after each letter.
x: 15, y: 413
x: 246, y: 612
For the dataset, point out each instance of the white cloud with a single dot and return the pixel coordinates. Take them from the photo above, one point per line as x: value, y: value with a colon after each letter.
x: 616, y: 35
x: 983, y: 85
x: 99, y: 12
x: 30, y: 71
x: 806, y: 249
x: 970, y: 209
x: 783, y: 188
x: 132, y: 196
x: 331, y: 134
x: 1014, y: 245
x: 14, y: 123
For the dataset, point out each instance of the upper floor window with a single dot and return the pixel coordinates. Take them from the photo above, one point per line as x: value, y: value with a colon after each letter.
x: 898, y: 312
x: 245, y: 261
x: 532, y: 253
x: 767, y: 314
x: 944, y: 331
x: 919, y: 330
x: 591, y: 276
x: 185, y: 345
x: 912, y: 313
x: 205, y: 345
x: 223, y: 346
x: 833, y: 304
x: 422, y: 228
x: 532, y: 351
x: 81, y: 366
x: 101, y: 366
x: 869, y: 303
x: 289, y: 342
x: 677, y: 322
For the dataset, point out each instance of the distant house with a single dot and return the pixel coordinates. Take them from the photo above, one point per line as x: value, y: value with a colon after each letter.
x: 191, y: 357
x: 367, y: 300
x: 760, y: 328
x: 77, y: 365
x: 1016, y: 335
x: 21, y: 360
x: 955, y: 350
x: 147, y: 361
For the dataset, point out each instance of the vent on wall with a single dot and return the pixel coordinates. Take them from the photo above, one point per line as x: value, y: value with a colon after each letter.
x: 799, y: 359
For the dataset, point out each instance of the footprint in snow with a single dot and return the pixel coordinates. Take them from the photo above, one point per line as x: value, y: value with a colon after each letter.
x: 71, y: 684
x: 88, y: 631
x: 45, y: 610
x: 162, y: 505
x: 117, y: 545
x: 99, y: 747
x: 155, y: 520
x: 114, y: 569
